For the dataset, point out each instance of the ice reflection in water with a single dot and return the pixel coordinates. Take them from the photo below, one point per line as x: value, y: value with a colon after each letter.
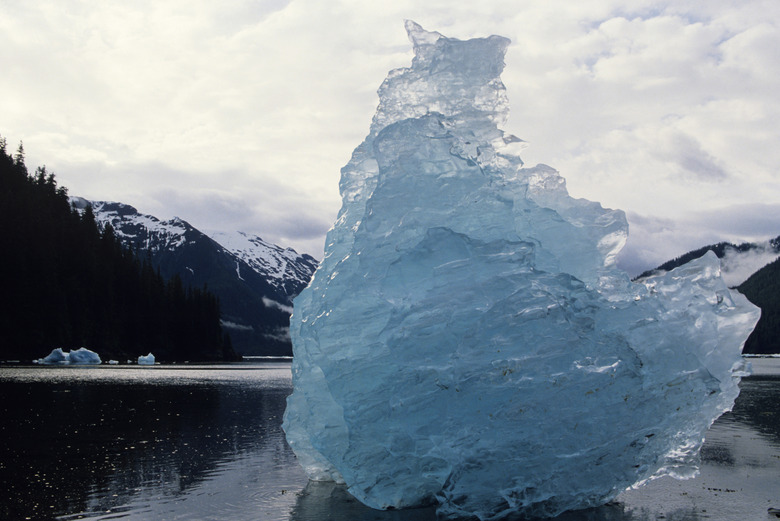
x: 205, y: 443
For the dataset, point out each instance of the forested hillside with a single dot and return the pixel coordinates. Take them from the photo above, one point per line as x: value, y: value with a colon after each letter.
x: 763, y: 290
x: 69, y: 283
x: 254, y: 280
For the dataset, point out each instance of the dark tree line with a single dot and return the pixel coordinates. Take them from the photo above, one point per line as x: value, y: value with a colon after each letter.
x: 66, y: 282
x: 763, y: 289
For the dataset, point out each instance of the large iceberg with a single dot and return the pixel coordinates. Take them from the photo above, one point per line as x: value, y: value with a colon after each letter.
x: 468, y: 341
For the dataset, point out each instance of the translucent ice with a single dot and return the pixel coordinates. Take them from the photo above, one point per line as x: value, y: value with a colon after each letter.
x: 77, y: 356
x: 146, y: 360
x: 57, y: 356
x: 468, y: 341
x: 84, y: 356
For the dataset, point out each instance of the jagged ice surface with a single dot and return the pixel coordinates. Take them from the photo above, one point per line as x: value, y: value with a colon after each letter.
x: 146, y: 360
x: 468, y: 340
x: 76, y: 356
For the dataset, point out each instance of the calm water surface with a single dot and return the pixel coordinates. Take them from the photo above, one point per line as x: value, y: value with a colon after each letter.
x: 205, y: 443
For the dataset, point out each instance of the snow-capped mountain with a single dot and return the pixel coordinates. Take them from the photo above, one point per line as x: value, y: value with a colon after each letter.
x: 255, y: 281
x: 285, y: 268
x: 145, y: 232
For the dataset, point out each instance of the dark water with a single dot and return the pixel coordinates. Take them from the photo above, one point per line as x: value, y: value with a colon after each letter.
x: 205, y: 443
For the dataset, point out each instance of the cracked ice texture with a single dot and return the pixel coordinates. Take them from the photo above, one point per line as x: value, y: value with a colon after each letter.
x: 468, y: 340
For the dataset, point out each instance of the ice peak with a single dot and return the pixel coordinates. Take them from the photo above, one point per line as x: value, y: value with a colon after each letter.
x: 419, y: 36
x: 451, y: 77
x: 480, y: 56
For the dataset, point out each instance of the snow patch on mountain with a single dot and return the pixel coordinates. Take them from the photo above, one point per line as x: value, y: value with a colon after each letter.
x: 285, y: 269
x: 256, y: 281
x: 279, y: 265
x: 132, y: 226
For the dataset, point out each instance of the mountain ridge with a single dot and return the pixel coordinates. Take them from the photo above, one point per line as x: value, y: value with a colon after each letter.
x: 255, y: 281
x: 285, y: 268
x: 69, y: 282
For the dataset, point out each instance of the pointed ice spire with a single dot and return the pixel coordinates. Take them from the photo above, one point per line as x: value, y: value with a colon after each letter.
x: 419, y: 36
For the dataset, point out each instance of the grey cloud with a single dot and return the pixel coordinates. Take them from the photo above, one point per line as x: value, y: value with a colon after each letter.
x: 652, y: 223
x: 245, y: 13
x: 654, y: 240
x: 299, y: 225
x: 701, y: 165
x: 226, y: 200
x: 239, y: 96
x: 633, y: 261
x: 280, y: 217
x: 751, y: 221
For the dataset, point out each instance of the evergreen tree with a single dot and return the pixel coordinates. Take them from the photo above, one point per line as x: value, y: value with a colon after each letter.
x: 19, y: 157
x: 69, y: 284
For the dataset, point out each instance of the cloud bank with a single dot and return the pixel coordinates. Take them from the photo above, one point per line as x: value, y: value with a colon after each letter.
x: 240, y: 115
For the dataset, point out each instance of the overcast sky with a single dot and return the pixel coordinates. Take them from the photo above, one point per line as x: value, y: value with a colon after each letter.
x: 238, y: 115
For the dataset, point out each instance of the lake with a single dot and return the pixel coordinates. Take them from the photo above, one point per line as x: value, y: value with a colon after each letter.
x: 204, y: 442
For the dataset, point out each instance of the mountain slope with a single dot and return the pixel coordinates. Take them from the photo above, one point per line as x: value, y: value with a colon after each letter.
x: 255, y: 285
x: 67, y: 283
x: 284, y: 268
x: 763, y: 290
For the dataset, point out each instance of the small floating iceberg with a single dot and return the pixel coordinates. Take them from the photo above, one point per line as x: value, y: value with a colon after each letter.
x: 84, y: 356
x: 79, y: 356
x: 146, y: 360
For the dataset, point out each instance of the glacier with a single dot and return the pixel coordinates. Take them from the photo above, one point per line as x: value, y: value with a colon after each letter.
x: 468, y: 340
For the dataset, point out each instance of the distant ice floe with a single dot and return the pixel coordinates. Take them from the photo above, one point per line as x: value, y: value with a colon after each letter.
x: 79, y: 356
x: 146, y: 360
